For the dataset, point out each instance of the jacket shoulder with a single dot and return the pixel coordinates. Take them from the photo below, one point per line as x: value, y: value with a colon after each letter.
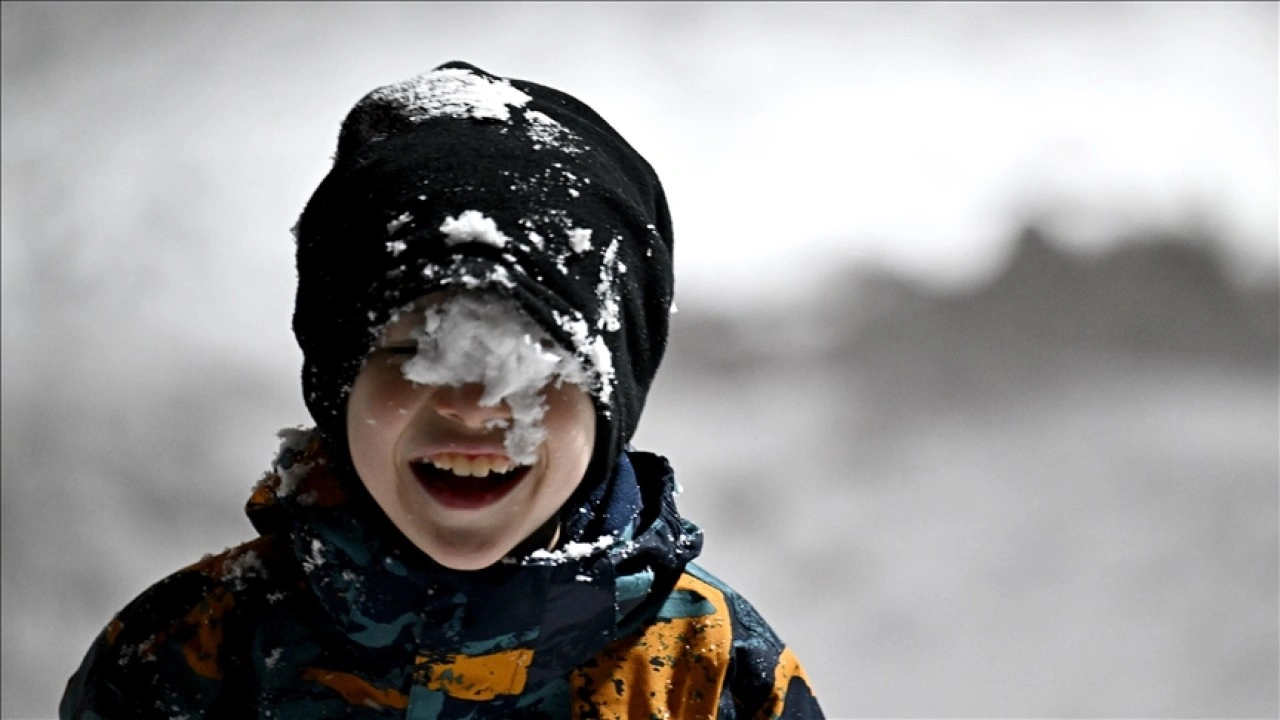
x: 704, y: 653
x: 166, y: 653
x: 764, y: 678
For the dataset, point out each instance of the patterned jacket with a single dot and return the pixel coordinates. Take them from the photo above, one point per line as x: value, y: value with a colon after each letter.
x: 327, y: 615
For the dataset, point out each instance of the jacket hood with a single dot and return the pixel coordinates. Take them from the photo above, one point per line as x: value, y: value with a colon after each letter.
x: 528, y: 619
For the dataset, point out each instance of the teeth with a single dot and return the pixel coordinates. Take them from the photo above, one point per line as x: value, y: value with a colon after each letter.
x: 471, y: 465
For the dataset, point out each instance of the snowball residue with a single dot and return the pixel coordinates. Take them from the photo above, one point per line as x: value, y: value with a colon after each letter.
x: 293, y: 441
x: 496, y: 275
x: 573, y: 550
x: 580, y: 239
x: 546, y: 131
x: 316, y: 557
x: 593, y: 349
x: 399, y: 221
x: 472, y: 226
x: 607, y: 290
x: 486, y: 338
x: 452, y: 92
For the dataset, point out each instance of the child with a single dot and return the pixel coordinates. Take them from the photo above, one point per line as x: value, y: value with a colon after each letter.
x: 484, y: 284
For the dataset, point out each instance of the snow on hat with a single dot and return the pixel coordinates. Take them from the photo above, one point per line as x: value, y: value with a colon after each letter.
x: 458, y: 178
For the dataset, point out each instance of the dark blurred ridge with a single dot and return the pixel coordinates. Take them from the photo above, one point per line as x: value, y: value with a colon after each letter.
x: 1161, y: 298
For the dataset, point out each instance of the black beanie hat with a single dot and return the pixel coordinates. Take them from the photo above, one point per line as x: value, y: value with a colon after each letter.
x: 458, y: 178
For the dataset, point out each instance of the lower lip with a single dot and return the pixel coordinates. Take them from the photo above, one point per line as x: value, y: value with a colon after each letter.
x: 469, y: 493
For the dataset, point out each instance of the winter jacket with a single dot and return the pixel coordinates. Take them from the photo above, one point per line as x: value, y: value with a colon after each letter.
x: 328, y: 615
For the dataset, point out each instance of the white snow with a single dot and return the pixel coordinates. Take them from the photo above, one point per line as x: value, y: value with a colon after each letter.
x: 289, y: 478
x: 607, y: 290
x: 592, y: 349
x: 395, y: 247
x: 246, y: 564
x: 316, y: 557
x: 472, y: 226
x: 294, y: 438
x: 547, y: 131
x: 399, y: 221
x: 602, y: 361
x: 573, y: 550
x: 452, y: 92
x: 580, y: 239
x: 486, y: 338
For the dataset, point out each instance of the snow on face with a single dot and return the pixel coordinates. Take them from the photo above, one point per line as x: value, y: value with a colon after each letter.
x: 593, y: 348
x: 472, y: 226
x: 452, y: 92
x: 486, y: 338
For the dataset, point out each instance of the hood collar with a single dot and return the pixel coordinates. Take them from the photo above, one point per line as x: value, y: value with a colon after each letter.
x: 558, y: 608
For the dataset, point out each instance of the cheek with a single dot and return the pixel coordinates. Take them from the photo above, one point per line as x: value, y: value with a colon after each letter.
x: 380, y: 404
x: 571, y: 424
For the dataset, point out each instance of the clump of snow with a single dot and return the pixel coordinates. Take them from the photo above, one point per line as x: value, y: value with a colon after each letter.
x: 592, y: 349
x: 452, y: 92
x: 294, y: 439
x: 544, y: 130
x: 576, y: 327
x: 496, y: 275
x: 272, y: 658
x: 602, y: 361
x: 395, y: 247
x: 607, y: 290
x: 399, y: 221
x: 580, y: 239
x: 573, y: 550
x: 246, y: 564
x: 472, y: 226
x: 316, y: 558
x: 486, y: 338
x: 289, y: 478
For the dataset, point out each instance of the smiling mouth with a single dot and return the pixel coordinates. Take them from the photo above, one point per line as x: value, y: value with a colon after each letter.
x: 468, y: 482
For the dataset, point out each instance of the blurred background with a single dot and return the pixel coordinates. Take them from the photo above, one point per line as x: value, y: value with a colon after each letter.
x: 973, y: 383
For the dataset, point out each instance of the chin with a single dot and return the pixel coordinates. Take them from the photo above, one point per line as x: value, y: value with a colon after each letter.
x: 464, y: 557
x: 466, y: 562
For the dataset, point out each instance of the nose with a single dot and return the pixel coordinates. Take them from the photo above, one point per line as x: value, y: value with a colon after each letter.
x: 461, y: 404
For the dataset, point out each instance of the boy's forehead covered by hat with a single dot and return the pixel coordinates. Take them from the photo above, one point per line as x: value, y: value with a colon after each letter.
x: 459, y: 179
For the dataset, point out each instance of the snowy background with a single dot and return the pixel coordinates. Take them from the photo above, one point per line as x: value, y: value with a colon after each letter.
x: 974, y: 380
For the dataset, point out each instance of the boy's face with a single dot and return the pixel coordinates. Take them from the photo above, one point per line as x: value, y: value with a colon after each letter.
x: 434, y: 458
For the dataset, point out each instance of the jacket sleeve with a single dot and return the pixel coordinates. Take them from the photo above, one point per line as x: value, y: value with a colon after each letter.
x: 157, y: 658
x: 765, y: 680
x: 178, y: 648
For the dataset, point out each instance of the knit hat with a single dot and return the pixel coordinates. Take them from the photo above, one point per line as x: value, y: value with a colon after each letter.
x: 458, y: 178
